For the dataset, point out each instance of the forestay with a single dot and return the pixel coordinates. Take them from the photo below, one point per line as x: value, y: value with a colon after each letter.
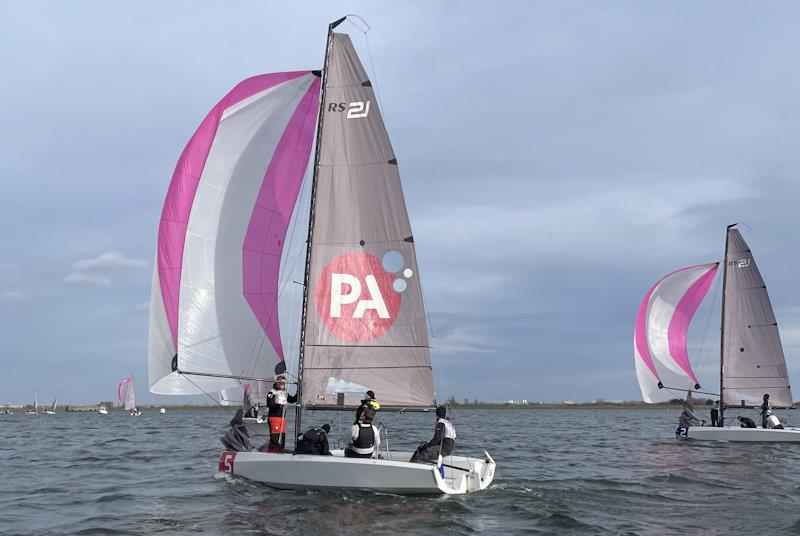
x: 753, y: 360
x: 215, y: 291
x: 662, y: 325
x: 365, y: 319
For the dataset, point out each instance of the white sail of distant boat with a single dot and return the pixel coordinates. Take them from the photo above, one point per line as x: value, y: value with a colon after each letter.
x: 35, y: 409
x: 227, y: 248
x: 127, y: 395
x: 752, y: 362
x: 226, y: 400
x: 52, y: 409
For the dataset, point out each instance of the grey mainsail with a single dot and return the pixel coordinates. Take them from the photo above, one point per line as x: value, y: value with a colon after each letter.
x: 752, y: 356
x: 365, y: 325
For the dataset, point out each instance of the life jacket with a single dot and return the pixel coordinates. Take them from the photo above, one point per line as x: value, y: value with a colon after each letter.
x: 365, y: 442
x: 449, y: 429
x: 276, y: 402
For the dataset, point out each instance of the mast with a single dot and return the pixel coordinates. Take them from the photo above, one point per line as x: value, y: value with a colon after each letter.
x: 320, y: 118
x: 722, y: 328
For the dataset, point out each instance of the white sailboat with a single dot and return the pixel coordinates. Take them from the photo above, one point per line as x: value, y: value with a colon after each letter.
x: 752, y: 362
x: 126, y: 394
x: 52, y: 410
x: 35, y: 409
x: 223, y: 261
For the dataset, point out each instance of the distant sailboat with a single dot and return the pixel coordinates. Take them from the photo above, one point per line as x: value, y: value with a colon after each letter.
x: 752, y: 362
x: 221, y: 254
x: 127, y: 395
x: 52, y: 410
x: 35, y: 409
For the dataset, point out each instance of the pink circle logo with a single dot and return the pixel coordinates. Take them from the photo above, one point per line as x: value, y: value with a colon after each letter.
x: 357, y: 300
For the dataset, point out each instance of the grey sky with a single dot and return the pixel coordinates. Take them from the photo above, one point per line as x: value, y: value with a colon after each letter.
x: 557, y: 158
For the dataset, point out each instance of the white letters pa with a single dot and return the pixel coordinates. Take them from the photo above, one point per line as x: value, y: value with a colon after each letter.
x: 342, y: 282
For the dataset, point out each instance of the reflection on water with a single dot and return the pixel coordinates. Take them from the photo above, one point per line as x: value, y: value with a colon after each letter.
x: 559, y: 471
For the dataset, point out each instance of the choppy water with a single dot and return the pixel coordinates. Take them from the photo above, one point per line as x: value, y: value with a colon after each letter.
x: 559, y: 472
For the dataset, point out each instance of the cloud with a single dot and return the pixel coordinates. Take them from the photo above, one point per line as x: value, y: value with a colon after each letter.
x: 98, y: 271
x: 15, y: 296
x: 78, y: 278
x: 107, y: 261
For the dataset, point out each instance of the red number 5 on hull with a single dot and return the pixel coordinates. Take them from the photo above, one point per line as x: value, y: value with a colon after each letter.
x: 226, y: 461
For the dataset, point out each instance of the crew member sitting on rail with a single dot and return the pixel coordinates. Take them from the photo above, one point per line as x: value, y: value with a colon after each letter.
x: 277, y: 398
x: 366, y: 438
x: 443, y: 442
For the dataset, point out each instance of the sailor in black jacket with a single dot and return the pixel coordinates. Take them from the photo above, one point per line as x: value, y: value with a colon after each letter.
x: 443, y: 442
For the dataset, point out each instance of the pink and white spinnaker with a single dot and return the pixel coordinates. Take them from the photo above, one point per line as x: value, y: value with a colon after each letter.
x: 662, y: 324
x: 126, y: 393
x: 214, y: 297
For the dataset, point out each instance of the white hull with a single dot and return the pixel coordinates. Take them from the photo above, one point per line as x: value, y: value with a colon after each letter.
x: 103, y: 411
x: 48, y: 412
x: 302, y: 471
x: 738, y: 434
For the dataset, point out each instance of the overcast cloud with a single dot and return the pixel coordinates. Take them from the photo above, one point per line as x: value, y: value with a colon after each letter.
x: 557, y: 158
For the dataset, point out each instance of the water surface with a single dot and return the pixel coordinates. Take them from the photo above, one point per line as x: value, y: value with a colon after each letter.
x: 559, y: 472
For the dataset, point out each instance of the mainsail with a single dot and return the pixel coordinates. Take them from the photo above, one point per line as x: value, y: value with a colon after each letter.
x: 752, y: 355
x: 126, y: 394
x: 365, y: 322
x: 662, y: 324
x: 215, y: 291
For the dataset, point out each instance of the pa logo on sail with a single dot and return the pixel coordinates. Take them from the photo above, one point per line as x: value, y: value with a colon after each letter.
x: 358, y: 295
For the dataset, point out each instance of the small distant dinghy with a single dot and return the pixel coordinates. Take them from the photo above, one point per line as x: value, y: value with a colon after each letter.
x: 102, y: 410
x: 35, y: 410
x: 224, y: 260
x: 163, y: 411
x: 752, y: 362
x: 126, y: 394
x: 52, y: 410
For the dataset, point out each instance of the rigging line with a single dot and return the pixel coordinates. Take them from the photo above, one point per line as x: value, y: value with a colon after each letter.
x: 374, y: 78
x: 202, y: 391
